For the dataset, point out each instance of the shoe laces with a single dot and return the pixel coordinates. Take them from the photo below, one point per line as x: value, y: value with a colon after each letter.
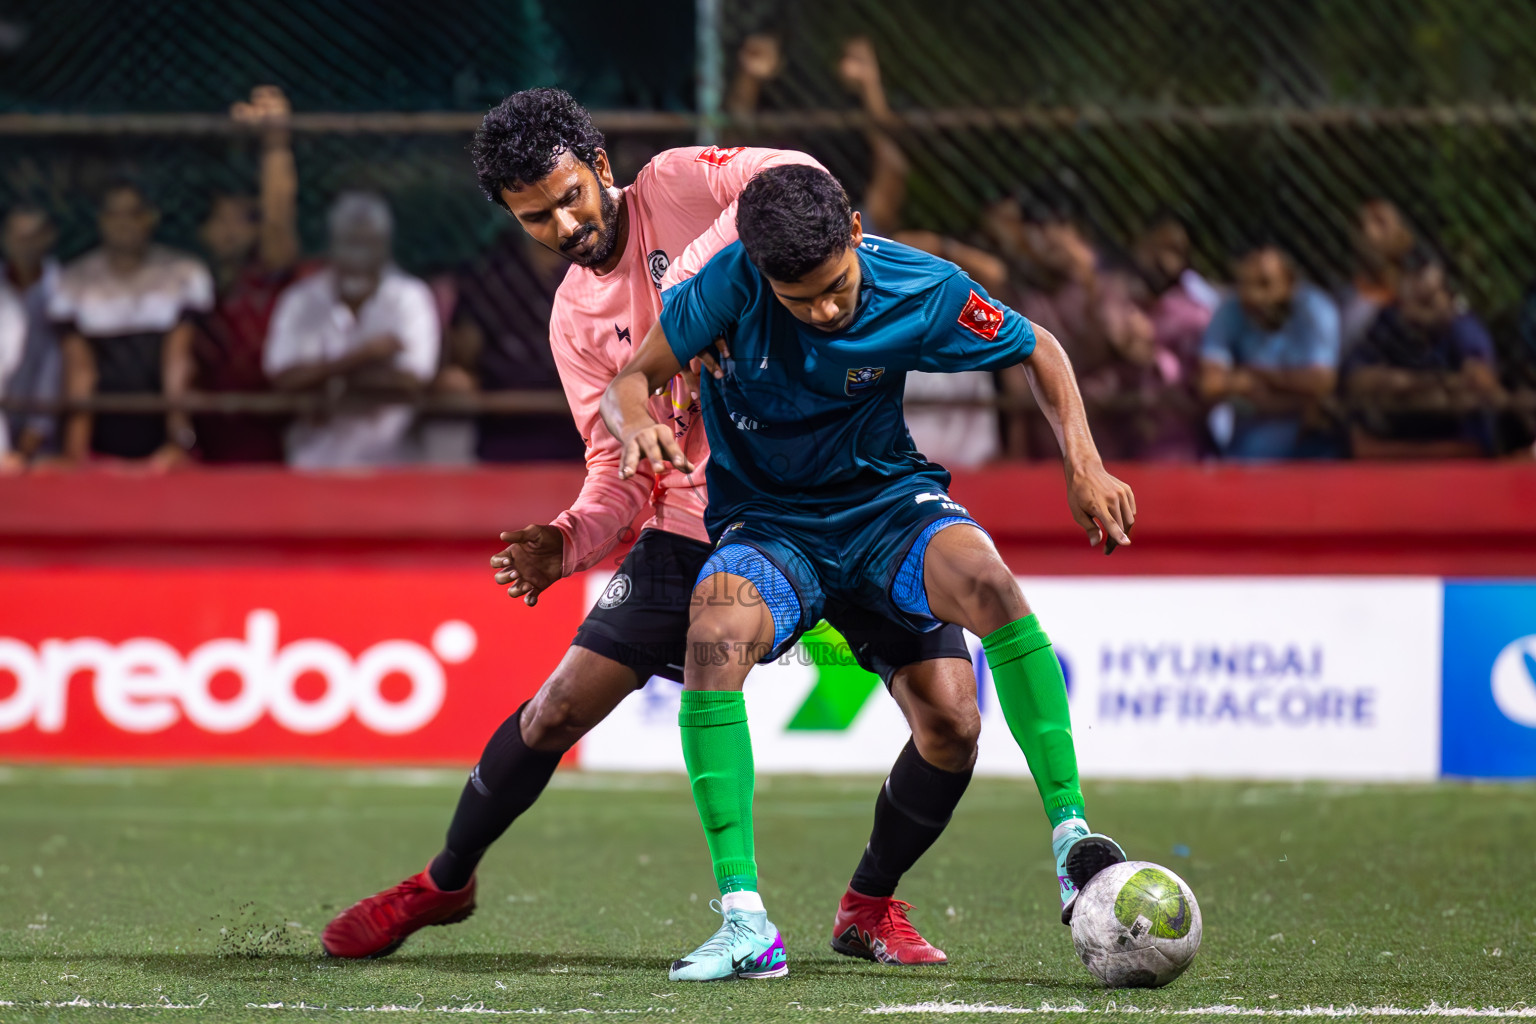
x: 387, y: 905
x: 720, y: 942
x: 898, y: 925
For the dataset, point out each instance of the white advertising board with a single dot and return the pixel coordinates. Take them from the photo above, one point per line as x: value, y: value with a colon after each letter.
x: 1240, y: 677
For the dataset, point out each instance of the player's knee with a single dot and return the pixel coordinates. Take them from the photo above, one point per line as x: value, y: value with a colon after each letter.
x: 947, y: 736
x: 554, y: 720
x: 718, y: 643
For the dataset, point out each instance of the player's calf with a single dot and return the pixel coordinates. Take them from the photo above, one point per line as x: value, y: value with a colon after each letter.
x: 968, y: 583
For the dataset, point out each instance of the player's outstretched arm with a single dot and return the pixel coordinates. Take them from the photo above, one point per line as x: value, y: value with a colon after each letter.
x: 627, y: 412
x: 1102, y: 505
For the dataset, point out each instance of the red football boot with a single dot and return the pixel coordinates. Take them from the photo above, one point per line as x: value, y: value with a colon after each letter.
x: 376, y: 926
x: 876, y: 928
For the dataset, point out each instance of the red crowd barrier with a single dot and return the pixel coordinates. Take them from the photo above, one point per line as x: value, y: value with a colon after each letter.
x: 1445, y: 519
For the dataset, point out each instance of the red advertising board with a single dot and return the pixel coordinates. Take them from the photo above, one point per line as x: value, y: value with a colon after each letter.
x: 257, y: 614
x: 306, y: 663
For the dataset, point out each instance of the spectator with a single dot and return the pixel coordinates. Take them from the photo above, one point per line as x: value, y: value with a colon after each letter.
x: 1424, y: 350
x: 28, y: 280
x: 253, y: 243
x: 1382, y: 240
x: 13, y: 335
x: 1272, y: 351
x: 758, y: 62
x: 501, y: 329
x: 1089, y: 305
x: 124, y: 312
x: 1179, y: 303
x: 449, y: 440
x: 1162, y: 257
x: 859, y: 70
x: 361, y: 324
x: 1524, y: 372
x: 1521, y: 371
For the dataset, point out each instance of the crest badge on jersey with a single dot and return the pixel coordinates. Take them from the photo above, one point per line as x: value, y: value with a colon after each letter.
x: 656, y: 260
x: 720, y: 155
x: 981, y: 317
x: 862, y: 378
x: 616, y: 593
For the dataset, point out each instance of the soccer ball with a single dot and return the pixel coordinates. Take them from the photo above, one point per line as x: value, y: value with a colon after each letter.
x: 1136, y: 925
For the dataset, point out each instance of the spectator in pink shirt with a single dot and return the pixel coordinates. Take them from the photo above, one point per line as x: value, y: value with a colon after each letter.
x: 1179, y: 303
x: 1090, y: 306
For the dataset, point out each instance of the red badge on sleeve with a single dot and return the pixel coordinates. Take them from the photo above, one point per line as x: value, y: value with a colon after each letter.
x: 981, y: 317
x: 720, y: 157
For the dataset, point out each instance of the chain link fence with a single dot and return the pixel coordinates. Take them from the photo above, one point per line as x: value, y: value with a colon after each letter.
x: 1243, y: 117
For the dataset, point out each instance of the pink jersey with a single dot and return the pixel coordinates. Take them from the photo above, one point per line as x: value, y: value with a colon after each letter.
x: 682, y: 210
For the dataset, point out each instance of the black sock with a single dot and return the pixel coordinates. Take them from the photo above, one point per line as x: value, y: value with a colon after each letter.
x: 914, y: 806
x: 506, y: 782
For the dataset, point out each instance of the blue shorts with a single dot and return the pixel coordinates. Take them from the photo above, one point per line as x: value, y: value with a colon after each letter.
x: 869, y: 557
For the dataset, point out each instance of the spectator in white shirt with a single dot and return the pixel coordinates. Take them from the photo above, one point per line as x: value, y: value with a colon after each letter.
x: 13, y: 334
x: 124, y: 314
x: 30, y: 363
x: 361, y: 324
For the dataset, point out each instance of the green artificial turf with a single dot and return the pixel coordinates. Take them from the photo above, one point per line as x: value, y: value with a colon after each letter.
x: 202, y: 892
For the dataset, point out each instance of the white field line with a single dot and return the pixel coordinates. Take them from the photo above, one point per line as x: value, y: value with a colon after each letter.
x: 1432, y: 1010
x: 1047, y: 1009
x: 472, y: 1008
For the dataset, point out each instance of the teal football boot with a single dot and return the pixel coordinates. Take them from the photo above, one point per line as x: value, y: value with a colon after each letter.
x: 747, y: 945
x: 1080, y: 855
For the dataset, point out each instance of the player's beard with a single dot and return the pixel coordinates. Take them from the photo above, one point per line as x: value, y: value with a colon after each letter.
x: 607, y: 235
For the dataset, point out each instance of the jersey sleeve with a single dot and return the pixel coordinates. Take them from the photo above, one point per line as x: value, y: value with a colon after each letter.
x: 715, y: 175
x: 707, y: 305
x: 971, y: 330
x: 606, y: 504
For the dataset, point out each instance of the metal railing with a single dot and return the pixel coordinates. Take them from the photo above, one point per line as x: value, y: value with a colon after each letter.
x: 538, y: 403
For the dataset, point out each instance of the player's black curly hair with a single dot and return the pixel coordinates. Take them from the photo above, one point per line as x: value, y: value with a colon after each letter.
x: 520, y: 139
x: 793, y: 219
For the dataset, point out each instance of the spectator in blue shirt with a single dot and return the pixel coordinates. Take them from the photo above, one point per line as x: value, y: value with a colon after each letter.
x: 1272, y: 352
x: 1425, y: 352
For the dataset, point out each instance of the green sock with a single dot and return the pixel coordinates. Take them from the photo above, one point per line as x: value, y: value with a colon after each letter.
x: 717, y: 748
x: 1033, y: 695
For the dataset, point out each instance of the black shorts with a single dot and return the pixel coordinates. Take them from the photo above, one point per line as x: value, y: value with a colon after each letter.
x: 641, y: 620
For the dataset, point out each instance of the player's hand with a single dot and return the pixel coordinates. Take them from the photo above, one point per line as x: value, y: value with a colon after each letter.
x: 706, y: 361
x: 531, y: 561
x: 1102, y: 505
x: 655, y: 443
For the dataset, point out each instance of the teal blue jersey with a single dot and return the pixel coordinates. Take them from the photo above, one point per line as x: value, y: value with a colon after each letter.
x: 809, y: 422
